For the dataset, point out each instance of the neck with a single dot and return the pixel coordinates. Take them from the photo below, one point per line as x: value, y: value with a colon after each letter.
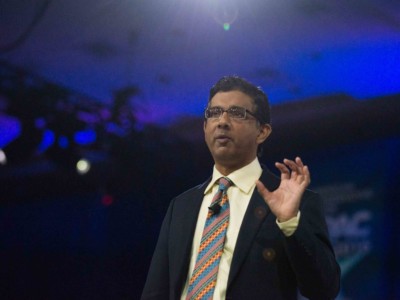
x: 226, y: 169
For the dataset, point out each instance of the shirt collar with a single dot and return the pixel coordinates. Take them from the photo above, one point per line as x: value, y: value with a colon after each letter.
x: 243, y: 178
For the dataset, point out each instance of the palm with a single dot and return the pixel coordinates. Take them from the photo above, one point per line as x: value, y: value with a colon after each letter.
x: 284, y: 202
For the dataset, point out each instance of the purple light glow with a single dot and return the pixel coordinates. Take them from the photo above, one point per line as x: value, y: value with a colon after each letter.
x: 85, y: 137
x: 10, y: 129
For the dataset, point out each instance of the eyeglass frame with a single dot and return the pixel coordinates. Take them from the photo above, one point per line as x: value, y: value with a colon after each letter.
x: 246, y: 111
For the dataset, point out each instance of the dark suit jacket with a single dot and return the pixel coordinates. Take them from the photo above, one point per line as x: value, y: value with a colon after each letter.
x: 265, y: 264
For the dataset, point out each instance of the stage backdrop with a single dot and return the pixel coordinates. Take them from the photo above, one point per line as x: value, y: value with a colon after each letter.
x: 358, y: 183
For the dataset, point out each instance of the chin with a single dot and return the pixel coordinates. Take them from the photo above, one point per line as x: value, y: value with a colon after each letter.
x: 222, y: 153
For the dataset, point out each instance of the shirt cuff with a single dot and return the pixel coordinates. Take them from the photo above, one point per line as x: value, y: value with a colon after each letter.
x: 289, y: 227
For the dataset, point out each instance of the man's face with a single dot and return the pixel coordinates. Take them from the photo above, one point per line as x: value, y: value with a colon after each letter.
x: 233, y: 142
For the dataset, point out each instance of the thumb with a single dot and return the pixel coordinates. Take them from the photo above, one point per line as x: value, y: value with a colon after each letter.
x: 264, y: 192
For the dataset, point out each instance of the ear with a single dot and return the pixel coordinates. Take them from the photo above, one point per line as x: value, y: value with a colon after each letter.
x: 265, y: 131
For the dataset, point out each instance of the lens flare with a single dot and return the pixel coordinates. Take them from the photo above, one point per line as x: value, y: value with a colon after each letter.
x: 225, y: 13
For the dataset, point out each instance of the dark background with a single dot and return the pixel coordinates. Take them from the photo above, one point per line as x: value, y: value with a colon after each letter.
x: 124, y: 84
x: 91, y: 236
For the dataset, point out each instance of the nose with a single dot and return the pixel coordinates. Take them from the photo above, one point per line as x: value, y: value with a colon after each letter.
x: 224, y: 120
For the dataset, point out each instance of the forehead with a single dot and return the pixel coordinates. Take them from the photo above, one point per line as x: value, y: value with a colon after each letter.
x: 227, y: 99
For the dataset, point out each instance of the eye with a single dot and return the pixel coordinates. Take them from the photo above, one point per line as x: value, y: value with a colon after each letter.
x: 214, y: 112
x: 237, y: 112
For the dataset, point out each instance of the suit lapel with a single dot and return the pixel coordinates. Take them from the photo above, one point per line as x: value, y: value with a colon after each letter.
x: 255, y: 215
x: 184, y: 229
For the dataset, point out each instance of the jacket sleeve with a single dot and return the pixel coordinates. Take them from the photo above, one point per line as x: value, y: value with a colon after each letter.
x: 157, y: 282
x: 311, y: 254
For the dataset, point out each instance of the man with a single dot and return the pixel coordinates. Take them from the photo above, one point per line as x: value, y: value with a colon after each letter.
x: 271, y: 232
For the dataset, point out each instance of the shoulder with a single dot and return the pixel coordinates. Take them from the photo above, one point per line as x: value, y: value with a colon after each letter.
x: 194, y: 191
x: 269, y: 179
x: 185, y: 206
x: 311, y: 198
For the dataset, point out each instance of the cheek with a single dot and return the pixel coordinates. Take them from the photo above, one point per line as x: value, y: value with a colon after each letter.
x: 207, y: 133
x: 248, y: 138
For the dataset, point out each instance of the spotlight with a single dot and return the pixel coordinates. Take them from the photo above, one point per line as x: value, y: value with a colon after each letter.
x: 225, y: 13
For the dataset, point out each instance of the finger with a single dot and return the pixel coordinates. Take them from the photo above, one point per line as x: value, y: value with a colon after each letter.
x: 299, y: 162
x: 304, y: 178
x: 303, y: 169
x: 264, y: 192
x: 307, y: 176
x: 285, y: 174
x: 295, y: 170
x: 292, y: 165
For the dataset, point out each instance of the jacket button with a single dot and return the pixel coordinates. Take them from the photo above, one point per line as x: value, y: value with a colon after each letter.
x: 260, y: 212
x: 269, y: 254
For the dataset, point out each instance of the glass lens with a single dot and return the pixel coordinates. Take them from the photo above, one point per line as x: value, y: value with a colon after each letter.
x: 213, y: 112
x: 234, y: 112
x: 237, y: 112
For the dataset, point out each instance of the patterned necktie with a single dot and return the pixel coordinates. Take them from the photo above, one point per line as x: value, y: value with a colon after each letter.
x: 204, y: 277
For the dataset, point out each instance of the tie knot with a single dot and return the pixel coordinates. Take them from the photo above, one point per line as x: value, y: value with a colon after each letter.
x: 224, y: 183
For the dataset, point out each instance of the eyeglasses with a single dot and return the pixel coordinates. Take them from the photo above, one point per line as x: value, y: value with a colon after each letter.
x: 234, y: 112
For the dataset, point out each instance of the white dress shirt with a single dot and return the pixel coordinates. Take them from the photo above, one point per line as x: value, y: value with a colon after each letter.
x: 239, y: 197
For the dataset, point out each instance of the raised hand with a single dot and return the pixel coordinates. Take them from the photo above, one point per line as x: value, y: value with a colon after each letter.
x: 284, y: 202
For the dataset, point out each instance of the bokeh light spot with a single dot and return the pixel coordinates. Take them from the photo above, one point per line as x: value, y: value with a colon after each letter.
x: 3, y: 158
x: 107, y: 200
x: 83, y: 166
